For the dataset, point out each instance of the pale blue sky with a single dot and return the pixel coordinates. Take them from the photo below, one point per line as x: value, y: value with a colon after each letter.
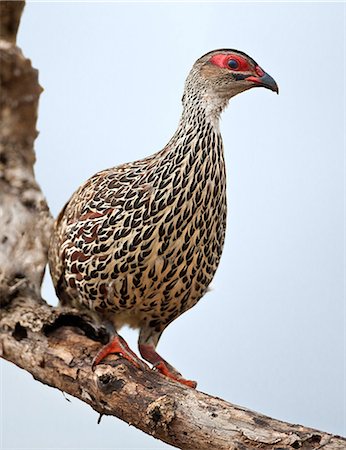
x: 270, y: 334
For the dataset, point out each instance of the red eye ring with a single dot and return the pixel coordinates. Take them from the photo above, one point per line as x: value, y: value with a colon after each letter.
x: 223, y: 60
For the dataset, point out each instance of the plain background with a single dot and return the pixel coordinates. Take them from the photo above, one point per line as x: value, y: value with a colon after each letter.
x: 270, y: 334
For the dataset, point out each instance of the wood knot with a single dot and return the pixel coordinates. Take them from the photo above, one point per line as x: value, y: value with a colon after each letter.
x: 310, y: 442
x: 161, y: 412
x: 110, y: 381
x: 19, y: 332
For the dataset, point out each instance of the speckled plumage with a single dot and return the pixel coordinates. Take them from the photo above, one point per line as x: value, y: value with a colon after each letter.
x: 140, y: 243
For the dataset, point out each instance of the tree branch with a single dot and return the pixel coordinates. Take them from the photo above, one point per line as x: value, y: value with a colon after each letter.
x: 57, y: 346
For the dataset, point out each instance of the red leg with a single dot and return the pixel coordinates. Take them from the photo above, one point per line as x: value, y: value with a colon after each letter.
x: 118, y: 346
x: 149, y: 353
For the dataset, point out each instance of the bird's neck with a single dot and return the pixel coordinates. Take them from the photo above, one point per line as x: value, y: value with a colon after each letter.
x: 196, y: 148
x: 199, y: 123
x: 201, y: 104
x: 198, y: 130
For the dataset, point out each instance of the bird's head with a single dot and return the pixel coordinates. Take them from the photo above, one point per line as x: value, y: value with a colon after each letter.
x: 221, y: 74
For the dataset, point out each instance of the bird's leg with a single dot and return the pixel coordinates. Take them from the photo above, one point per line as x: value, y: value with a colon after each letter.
x: 117, y: 345
x: 146, y: 345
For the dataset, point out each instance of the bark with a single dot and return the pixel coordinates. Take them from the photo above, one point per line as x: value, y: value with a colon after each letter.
x: 25, y: 222
x: 57, y: 345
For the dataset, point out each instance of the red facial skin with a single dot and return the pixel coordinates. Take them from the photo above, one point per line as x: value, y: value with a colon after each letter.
x: 259, y: 71
x: 221, y: 60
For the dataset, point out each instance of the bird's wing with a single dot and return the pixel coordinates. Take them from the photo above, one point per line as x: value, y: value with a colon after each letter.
x: 103, y: 213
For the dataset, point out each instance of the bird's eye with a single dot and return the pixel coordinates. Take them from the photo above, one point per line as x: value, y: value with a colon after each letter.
x: 233, y: 64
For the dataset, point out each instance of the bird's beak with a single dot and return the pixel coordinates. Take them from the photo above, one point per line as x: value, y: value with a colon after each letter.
x: 264, y: 80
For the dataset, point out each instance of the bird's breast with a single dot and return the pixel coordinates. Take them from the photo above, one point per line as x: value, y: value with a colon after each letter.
x: 154, y: 249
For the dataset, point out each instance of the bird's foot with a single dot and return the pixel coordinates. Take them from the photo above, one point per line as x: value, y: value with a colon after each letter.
x: 149, y: 354
x: 119, y: 346
x: 169, y: 372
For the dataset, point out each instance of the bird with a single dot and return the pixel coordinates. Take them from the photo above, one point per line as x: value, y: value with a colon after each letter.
x: 139, y: 243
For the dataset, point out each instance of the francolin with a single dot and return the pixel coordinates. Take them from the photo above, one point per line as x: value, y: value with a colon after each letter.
x: 139, y: 243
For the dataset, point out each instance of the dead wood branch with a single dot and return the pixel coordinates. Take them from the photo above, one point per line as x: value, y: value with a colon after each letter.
x: 57, y: 346
x: 57, y: 349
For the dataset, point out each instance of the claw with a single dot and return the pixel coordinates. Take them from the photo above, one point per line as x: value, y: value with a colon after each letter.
x: 163, y: 368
